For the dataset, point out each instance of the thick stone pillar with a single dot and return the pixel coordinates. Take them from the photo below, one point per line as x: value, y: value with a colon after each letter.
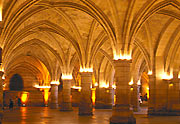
x: 66, y: 96
x: 152, y: 95
x: 135, y: 97
x: 121, y: 113
x: 85, y: 105
x: 1, y: 96
x: 54, y: 96
x: 174, y: 95
x: 161, y: 101
x: 1, y: 90
x: 104, y: 98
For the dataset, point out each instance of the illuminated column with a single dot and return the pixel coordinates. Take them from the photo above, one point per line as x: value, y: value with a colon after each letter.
x: 121, y: 113
x: 135, y: 98
x: 66, y: 95
x: 174, y: 95
x: 1, y: 90
x: 54, y: 96
x: 161, y: 101
x: 85, y: 105
x: 104, y: 98
x: 152, y: 94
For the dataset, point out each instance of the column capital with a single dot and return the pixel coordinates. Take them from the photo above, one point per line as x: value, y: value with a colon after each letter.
x: 67, y: 79
x: 119, y: 63
x: 85, y: 73
x: 54, y: 84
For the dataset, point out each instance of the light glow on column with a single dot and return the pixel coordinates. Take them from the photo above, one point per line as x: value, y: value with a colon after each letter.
x: 103, y: 84
x: 2, y: 69
x: 131, y: 82
x: 96, y: 84
x: 147, y: 91
x: 121, y: 56
x: 139, y: 82
x: 24, y: 97
x: 46, y: 96
x: 42, y: 87
x: 179, y: 75
x: 76, y: 87
x: 166, y: 76
x: 1, y: 6
x: 67, y: 76
x: 150, y: 72
x: 55, y: 82
x: 86, y: 69
x: 114, y: 86
x: 93, y: 95
x: 3, y: 77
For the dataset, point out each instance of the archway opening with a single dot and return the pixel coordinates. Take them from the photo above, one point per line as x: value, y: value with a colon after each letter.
x: 16, y: 83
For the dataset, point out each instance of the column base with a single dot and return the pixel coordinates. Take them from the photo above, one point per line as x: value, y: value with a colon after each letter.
x: 1, y: 117
x: 85, y: 110
x: 167, y: 113
x: 53, y: 105
x: 66, y: 107
x: 122, y: 120
x: 100, y: 105
x: 136, y: 109
x: 151, y: 110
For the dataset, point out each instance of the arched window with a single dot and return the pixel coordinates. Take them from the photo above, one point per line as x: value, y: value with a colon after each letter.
x: 16, y: 83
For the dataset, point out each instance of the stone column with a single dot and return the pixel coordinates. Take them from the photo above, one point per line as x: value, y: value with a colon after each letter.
x: 1, y: 90
x: 174, y: 93
x: 85, y: 105
x: 135, y: 97
x: 173, y: 96
x: 121, y: 113
x: 1, y: 96
x: 66, y: 96
x: 161, y: 103
x: 152, y: 95
x: 104, y: 98
x: 54, y: 96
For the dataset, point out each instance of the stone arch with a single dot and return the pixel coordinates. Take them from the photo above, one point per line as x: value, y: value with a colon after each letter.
x: 16, y: 83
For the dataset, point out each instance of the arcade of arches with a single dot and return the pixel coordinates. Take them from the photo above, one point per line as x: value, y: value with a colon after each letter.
x: 91, y: 53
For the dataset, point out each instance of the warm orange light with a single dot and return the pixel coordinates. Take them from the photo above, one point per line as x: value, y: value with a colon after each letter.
x: 2, y: 69
x: 139, y: 82
x: 24, y: 97
x: 147, y: 91
x: 67, y: 76
x: 114, y: 99
x: 131, y: 82
x: 1, y: 6
x: 76, y: 87
x: 114, y: 86
x: 86, y: 69
x: 149, y: 72
x: 121, y: 56
x: 131, y: 88
x: 96, y: 84
x: 103, y: 84
x: 93, y: 95
x: 55, y: 82
x: 170, y: 85
x: 46, y: 96
x: 42, y: 87
x: 167, y: 76
x: 3, y: 77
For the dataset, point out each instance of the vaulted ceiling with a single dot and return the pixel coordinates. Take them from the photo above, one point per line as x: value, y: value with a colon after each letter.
x: 65, y: 34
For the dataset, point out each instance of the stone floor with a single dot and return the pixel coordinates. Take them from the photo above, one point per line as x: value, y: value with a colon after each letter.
x: 44, y: 115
